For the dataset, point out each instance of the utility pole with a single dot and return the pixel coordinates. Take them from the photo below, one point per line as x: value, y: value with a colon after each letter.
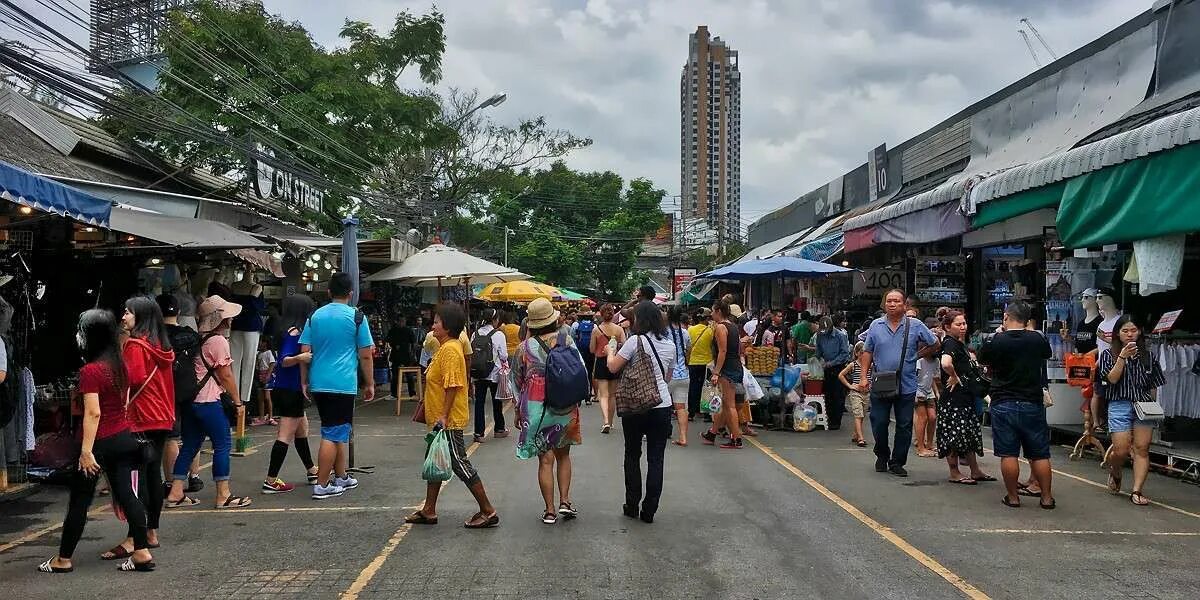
x: 506, y: 232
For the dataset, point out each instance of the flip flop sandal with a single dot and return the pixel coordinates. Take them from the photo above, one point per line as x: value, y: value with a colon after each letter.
x: 965, y: 481
x: 1133, y: 497
x: 130, y: 565
x: 419, y: 518
x: 679, y: 443
x: 46, y: 567
x: 116, y: 553
x: 184, y: 502
x: 1028, y: 493
x: 1050, y: 506
x: 487, y: 523
x: 1005, y: 502
x: 862, y: 443
x: 985, y: 478
x: 233, y: 502
x: 1114, y: 484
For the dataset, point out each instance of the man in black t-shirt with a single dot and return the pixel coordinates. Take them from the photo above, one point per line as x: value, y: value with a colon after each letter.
x: 1015, y: 359
x: 402, y: 340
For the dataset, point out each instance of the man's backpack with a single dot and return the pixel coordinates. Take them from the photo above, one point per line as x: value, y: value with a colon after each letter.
x: 637, y: 389
x: 567, y: 384
x: 186, y: 343
x: 583, y: 333
x: 483, y: 361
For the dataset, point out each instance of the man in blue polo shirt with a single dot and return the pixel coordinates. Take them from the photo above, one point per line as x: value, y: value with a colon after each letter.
x: 340, y: 341
x: 884, y: 344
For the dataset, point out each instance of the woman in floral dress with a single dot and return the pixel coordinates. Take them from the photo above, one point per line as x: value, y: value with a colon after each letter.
x: 544, y: 433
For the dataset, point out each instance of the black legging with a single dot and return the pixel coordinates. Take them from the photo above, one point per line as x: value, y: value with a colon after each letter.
x: 835, y: 395
x: 119, y: 455
x: 482, y: 388
x: 150, y: 485
x: 698, y: 376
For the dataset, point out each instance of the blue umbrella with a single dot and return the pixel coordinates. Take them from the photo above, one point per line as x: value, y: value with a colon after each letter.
x: 350, y: 254
x: 777, y: 266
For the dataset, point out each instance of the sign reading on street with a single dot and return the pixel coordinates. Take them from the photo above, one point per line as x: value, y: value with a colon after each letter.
x: 680, y: 278
x: 1167, y: 321
x: 874, y: 282
x: 272, y: 183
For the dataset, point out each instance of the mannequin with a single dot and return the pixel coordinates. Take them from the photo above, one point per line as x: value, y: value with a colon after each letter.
x: 220, y: 287
x: 1085, y: 330
x: 186, y: 303
x: 245, y: 332
x: 1107, y: 304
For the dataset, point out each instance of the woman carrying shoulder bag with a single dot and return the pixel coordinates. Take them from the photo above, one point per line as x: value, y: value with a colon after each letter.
x: 604, y: 332
x: 650, y: 338
x: 1133, y: 375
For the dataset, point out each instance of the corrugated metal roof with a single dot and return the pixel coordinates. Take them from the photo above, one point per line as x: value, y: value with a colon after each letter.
x: 1163, y: 134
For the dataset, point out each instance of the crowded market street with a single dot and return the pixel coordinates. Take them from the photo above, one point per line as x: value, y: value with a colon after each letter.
x: 793, y: 515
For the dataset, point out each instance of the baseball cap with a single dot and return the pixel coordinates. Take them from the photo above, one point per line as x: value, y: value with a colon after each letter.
x: 1090, y: 292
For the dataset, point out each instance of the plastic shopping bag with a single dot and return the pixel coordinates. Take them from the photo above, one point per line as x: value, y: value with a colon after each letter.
x: 754, y: 391
x: 437, y: 458
x: 804, y: 417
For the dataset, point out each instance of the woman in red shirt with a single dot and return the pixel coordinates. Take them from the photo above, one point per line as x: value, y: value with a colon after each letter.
x: 107, y: 444
x: 148, y: 361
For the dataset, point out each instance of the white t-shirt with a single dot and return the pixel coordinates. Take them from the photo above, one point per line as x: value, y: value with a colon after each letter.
x: 666, y: 353
x: 499, y: 350
x: 750, y: 327
x: 266, y: 358
x: 1107, y: 327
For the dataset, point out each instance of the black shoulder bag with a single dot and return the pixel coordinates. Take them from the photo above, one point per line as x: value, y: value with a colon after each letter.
x: 887, y: 383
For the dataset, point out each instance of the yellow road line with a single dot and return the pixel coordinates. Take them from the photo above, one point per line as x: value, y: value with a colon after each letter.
x: 1104, y: 487
x: 33, y: 535
x: 1084, y: 532
x: 368, y: 573
x: 885, y: 532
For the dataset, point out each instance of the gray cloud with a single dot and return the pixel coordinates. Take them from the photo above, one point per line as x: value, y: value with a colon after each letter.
x: 823, y: 80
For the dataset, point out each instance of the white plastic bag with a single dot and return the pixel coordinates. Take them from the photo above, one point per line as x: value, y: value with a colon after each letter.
x: 754, y: 391
x: 437, y: 459
x: 804, y: 417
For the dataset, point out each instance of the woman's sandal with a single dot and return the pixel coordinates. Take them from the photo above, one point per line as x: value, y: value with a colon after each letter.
x: 47, y: 567
x: 1005, y: 502
x: 984, y: 477
x: 1114, y: 484
x: 1050, y: 506
x: 964, y: 481
x: 548, y: 518
x: 1023, y: 490
x: 487, y: 522
x: 130, y: 565
x: 184, y: 502
x: 679, y: 443
x: 234, y: 502
x: 1137, y: 498
x: 419, y: 518
x: 116, y: 553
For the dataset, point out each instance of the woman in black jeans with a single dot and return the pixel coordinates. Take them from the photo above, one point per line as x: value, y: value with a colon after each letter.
x: 649, y: 331
x: 107, y: 444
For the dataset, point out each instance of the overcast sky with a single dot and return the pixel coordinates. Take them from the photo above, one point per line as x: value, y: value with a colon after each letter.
x: 823, y: 81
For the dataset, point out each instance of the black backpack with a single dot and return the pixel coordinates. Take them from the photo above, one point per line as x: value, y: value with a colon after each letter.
x: 186, y: 343
x: 482, y: 359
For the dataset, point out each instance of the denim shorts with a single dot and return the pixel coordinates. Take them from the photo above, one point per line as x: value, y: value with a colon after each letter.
x: 1020, y: 426
x: 1122, y: 417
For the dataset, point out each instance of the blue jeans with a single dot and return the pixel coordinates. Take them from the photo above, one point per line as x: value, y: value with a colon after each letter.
x: 903, y: 406
x: 205, y: 419
x: 1020, y: 426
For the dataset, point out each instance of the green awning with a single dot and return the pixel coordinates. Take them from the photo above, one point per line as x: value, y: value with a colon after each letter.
x: 1018, y: 204
x: 570, y: 295
x: 1145, y: 198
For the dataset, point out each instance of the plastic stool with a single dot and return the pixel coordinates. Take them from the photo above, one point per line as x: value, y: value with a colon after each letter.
x: 400, y: 395
x: 822, y: 419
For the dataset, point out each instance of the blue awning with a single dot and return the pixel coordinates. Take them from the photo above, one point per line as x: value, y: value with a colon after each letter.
x: 779, y: 266
x: 22, y: 187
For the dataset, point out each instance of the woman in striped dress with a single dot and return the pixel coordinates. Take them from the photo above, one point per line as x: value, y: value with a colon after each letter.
x: 1133, y: 375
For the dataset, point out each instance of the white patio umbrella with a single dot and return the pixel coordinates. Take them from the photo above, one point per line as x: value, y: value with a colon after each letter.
x: 438, y: 264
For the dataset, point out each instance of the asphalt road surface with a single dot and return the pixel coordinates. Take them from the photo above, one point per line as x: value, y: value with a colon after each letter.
x: 792, y: 515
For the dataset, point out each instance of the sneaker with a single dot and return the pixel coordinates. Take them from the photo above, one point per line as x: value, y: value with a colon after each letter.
x: 321, y: 492
x: 348, y: 483
x: 194, y: 485
x: 709, y: 437
x: 898, y: 471
x: 734, y: 444
x: 881, y: 465
x: 277, y: 486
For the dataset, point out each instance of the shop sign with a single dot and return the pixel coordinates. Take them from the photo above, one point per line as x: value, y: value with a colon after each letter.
x: 280, y: 185
x: 874, y: 282
x: 1167, y: 321
x: 680, y: 278
x: 877, y: 175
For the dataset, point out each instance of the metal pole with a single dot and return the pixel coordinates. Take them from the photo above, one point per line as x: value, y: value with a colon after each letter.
x: 506, y: 231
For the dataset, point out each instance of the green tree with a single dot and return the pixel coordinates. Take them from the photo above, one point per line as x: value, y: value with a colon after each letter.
x: 250, y: 76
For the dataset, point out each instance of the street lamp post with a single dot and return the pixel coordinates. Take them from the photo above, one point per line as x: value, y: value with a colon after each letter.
x: 506, y: 232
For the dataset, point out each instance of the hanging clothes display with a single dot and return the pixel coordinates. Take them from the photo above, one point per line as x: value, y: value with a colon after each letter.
x: 27, y: 388
x: 1156, y: 264
x: 1180, y: 395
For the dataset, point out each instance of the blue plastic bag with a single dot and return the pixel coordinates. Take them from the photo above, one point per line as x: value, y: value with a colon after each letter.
x: 437, y: 457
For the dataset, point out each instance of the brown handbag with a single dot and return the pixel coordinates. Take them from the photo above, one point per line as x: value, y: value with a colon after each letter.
x: 637, y: 390
x: 419, y: 414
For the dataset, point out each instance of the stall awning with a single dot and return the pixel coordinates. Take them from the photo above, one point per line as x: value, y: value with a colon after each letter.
x: 198, y: 234
x: 1145, y: 198
x: 773, y: 247
x: 1163, y: 134
x: 22, y: 187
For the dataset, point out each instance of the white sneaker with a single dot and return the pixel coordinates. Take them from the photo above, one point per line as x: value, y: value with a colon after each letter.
x: 348, y: 483
x: 321, y: 492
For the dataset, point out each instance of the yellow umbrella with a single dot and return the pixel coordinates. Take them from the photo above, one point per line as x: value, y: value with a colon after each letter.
x: 519, y: 291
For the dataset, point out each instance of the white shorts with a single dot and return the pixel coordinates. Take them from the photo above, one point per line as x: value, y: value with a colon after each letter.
x: 679, y: 391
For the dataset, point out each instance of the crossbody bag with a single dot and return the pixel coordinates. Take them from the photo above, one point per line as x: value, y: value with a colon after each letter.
x: 887, y: 383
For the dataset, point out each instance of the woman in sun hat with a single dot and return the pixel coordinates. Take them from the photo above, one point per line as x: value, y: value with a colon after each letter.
x: 545, y: 434
x: 206, y: 417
